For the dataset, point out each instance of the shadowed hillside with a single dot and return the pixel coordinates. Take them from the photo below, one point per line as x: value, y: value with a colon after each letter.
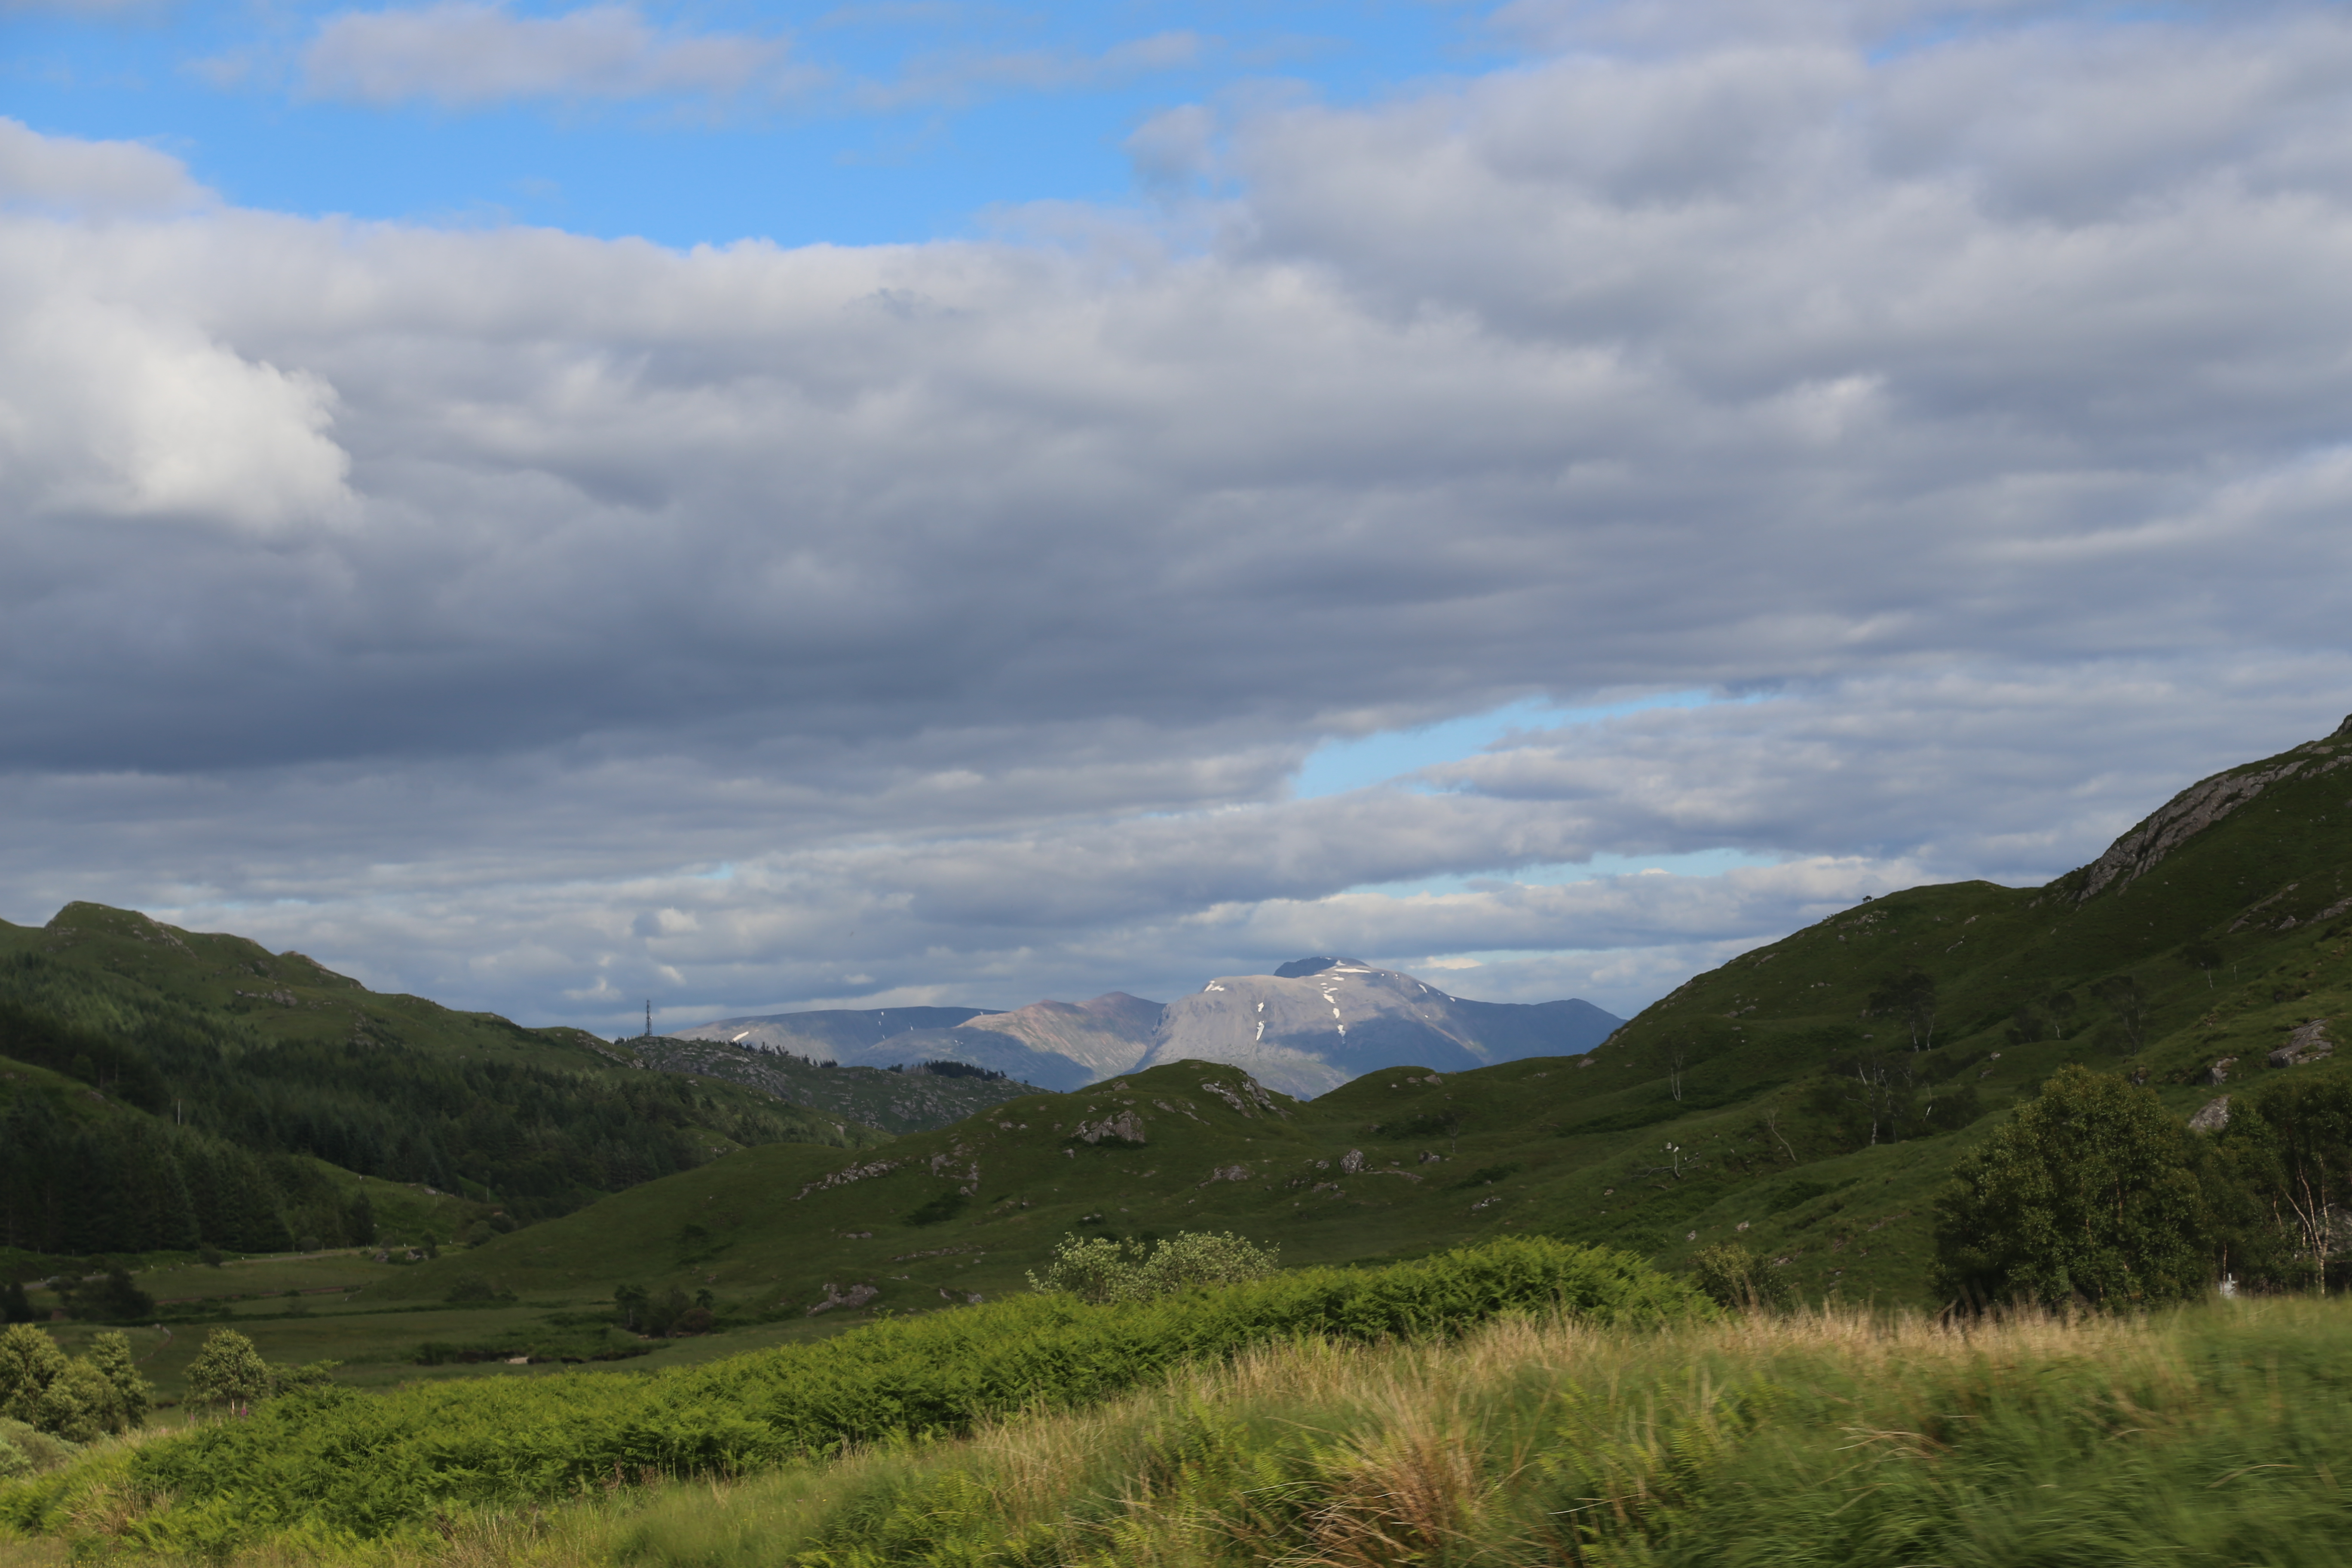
x: 221, y: 1053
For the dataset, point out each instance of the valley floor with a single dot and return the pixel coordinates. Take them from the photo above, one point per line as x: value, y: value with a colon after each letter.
x: 2217, y: 1435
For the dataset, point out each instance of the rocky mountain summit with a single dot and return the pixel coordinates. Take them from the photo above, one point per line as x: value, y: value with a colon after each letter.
x: 1314, y: 1024
x: 1309, y: 1026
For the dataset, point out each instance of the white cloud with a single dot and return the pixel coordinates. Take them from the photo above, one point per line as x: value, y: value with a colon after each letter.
x: 973, y: 602
x: 458, y: 53
x: 66, y: 174
x: 106, y: 413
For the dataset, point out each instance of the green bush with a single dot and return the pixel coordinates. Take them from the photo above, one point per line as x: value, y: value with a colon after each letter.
x: 35, y: 1450
x: 1102, y: 1269
x: 77, y: 1399
x: 471, y: 1288
x: 1735, y: 1277
x: 332, y: 1459
x: 113, y: 1300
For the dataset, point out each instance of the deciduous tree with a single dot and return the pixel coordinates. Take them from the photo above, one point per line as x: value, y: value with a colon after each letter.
x: 2088, y: 1193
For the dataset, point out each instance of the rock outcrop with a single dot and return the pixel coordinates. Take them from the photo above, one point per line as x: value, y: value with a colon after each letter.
x: 2198, y: 807
x: 2308, y: 1043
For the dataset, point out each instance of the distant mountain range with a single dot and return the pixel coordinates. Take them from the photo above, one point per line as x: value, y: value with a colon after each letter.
x: 1307, y: 1028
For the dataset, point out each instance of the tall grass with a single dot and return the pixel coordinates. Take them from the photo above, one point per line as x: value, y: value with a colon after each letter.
x: 2218, y: 1434
x: 2210, y: 1437
x: 327, y: 1466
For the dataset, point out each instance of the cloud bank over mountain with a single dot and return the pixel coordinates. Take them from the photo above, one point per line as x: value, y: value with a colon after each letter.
x: 545, y: 621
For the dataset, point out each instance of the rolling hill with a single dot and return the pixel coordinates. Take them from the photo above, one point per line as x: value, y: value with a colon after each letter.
x: 222, y: 1066
x: 1806, y: 1099
x: 911, y: 1100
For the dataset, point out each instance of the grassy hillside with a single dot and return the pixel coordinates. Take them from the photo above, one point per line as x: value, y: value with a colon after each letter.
x: 1807, y: 1098
x: 970, y: 1209
x: 2210, y: 934
x: 273, y: 1055
x: 912, y: 1101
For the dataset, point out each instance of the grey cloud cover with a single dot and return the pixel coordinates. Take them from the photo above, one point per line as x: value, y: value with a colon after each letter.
x: 460, y: 53
x: 539, y: 621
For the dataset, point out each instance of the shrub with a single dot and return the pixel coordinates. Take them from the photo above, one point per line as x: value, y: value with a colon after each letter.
x: 286, y: 1380
x: 1104, y: 1270
x: 938, y: 1210
x: 79, y: 1405
x: 110, y: 1356
x: 335, y: 1461
x: 113, y: 1300
x: 471, y: 1288
x: 39, y: 1450
x: 77, y: 1400
x: 1733, y: 1277
x: 29, y: 1362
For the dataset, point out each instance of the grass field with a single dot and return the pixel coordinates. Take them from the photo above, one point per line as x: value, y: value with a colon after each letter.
x: 332, y: 1465
x: 2208, y: 1436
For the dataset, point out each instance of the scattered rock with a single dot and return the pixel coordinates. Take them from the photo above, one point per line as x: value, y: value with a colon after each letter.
x: 1225, y: 1092
x: 1352, y: 1160
x: 2219, y: 1073
x: 843, y: 1178
x: 2212, y: 1117
x: 2307, y: 1043
x: 834, y: 1295
x: 1126, y: 1126
x: 1228, y: 1174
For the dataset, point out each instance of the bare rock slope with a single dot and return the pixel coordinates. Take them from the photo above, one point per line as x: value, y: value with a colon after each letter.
x: 1309, y: 1026
x: 1314, y: 1024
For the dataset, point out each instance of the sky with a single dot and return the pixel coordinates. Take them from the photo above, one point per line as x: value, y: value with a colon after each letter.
x: 750, y: 507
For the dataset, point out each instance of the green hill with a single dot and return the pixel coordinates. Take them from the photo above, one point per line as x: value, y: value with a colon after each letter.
x: 1806, y: 1099
x: 235, y: 1064
x: 914, y: 1098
